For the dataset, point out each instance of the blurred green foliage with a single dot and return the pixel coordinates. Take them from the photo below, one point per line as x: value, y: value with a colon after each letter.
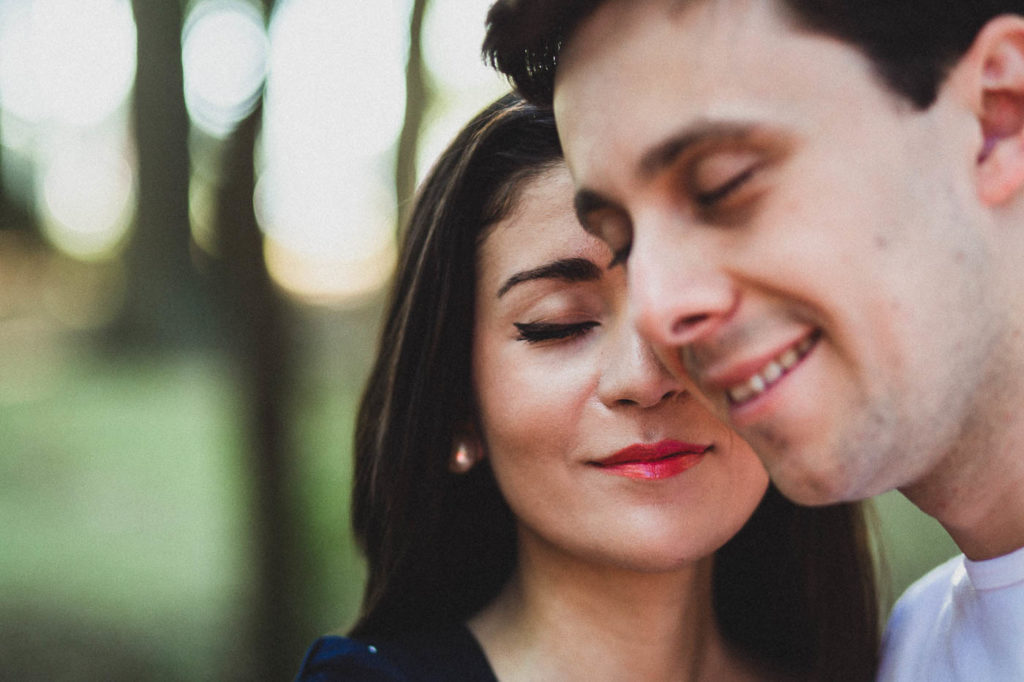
x: 126, y: 546
x: 120, y: 491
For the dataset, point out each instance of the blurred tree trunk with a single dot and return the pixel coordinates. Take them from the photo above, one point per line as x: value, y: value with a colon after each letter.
x: 166, y: 300
x: 417, y: 99
x: 12, y: 216
x: 258, y: 330
x: 5, y: 218
x: 168, y: 305
x: 257, y: 321
x: 256, y: 318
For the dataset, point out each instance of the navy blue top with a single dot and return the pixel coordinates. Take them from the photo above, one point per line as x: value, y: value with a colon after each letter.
x: 438, y: 656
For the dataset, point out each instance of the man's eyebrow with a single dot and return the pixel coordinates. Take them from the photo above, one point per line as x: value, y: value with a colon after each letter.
x: 568, y: 269
x: 665, y: 153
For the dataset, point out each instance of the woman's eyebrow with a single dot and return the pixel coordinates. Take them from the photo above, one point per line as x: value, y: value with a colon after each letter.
x: 568, y: 269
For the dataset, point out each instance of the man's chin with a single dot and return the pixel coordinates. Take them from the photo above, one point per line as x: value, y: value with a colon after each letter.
x: 816, y: 487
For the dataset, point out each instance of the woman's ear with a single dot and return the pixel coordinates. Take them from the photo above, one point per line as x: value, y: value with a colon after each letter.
x: 997, y: 61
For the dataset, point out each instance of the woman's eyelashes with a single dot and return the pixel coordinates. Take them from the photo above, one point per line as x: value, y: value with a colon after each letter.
x: 535, y: 332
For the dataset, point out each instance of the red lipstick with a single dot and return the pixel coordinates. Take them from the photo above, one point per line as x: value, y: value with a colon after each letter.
x: 663, y: 459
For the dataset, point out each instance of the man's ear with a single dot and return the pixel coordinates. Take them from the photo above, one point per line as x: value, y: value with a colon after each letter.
x: 997, y: 61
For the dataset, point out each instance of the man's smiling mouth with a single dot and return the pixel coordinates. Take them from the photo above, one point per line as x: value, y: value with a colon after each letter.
x: 776, y: 368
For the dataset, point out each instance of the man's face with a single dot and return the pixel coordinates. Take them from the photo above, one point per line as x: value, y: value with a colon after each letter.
x: 804, y: 243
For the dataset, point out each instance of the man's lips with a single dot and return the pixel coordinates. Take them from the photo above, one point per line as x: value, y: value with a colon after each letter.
x: 654, y: 461
x: 745, y: 382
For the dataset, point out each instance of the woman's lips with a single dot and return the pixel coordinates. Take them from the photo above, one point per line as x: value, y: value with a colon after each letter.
x: 663, y: 459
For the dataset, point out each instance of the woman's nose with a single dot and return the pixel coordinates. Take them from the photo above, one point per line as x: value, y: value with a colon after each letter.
x: 633, y: 375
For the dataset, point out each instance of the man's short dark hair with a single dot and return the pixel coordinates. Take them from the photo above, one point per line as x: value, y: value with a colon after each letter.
x: 911, y: 43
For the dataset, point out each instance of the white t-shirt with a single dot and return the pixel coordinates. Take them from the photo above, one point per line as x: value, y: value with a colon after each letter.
x: 962, y: 621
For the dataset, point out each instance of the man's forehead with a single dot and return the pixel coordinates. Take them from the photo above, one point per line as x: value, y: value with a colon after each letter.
x: 638, y: 81
x: 626, y: 51
x: 711, y: 21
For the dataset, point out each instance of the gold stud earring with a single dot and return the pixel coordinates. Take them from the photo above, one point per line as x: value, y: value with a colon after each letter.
x: 464, y: 457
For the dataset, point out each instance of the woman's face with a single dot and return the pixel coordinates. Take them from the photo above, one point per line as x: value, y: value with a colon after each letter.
x: 599, y: 452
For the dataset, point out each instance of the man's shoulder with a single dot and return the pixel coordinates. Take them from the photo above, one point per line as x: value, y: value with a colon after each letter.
x: 908, y: 634
x: 930, y: 591
x: 921, y: 604
x: 927, y: 594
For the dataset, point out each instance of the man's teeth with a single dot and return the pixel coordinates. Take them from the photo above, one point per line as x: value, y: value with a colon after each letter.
x: 771, y: 372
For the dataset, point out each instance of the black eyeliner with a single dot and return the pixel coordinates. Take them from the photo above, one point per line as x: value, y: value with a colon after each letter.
x: 534, y: 332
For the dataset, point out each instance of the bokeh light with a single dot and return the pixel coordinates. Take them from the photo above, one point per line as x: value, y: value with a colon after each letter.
x: 224, y: 60
x: 453, y: 32
x: 337, y: 79
x: 334, y: 107
x: 85, y: 205
x: 329, y: 236
x: 330, y: 279
x: 66, y: 62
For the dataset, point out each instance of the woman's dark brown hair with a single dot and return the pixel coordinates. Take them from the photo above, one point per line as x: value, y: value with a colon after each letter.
x: 793, y: 591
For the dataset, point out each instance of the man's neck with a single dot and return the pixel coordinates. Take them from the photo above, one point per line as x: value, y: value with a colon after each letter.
x: 978, y: 492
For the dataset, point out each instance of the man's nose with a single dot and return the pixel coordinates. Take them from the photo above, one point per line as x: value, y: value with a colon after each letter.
x: 678, y: 294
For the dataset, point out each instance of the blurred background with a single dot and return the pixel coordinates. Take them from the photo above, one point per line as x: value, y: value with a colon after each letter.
x: 198, y: 208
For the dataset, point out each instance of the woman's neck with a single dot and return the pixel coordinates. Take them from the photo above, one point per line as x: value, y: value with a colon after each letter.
x: 565, y: 619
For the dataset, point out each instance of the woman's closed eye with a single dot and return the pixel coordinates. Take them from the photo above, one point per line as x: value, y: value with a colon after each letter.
x: 536, y: 332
